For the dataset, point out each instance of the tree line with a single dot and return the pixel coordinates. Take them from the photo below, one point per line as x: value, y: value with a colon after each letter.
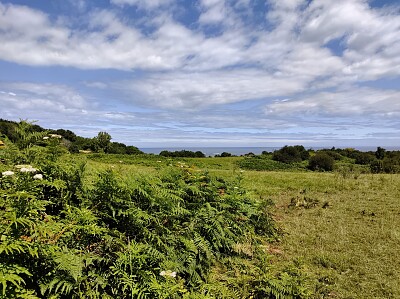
x: 74, y: 143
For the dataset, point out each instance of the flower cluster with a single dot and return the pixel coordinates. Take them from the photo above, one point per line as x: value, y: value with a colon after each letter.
x: 7, y: 173
x: 168, y: 273
x: 38, y: 176
x: 26, y: 168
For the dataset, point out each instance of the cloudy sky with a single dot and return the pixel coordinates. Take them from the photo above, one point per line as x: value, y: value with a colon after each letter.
x: 157, y: 73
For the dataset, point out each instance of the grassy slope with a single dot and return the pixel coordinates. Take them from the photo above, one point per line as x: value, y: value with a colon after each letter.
x: 349, y: 248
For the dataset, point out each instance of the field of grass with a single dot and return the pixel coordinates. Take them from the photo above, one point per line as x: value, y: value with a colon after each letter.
x: 341, y: 229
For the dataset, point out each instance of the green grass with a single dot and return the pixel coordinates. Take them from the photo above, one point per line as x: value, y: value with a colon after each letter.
x: 347, y: 244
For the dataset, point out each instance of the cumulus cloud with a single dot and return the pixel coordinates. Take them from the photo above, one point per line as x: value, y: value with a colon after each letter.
x: 356, y: 102
x: 43, y: 101
x: 198, y: 90
x: 312, y: 54
x: 144, y: 4
x: 370, y: 39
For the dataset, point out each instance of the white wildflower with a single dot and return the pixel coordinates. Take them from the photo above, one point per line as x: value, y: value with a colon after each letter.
x: 7, y: 173
x: 46, y: 137
x: 38, y: 176
x: 28, y: 169
x: 55, y: 136
x: 168, y: 273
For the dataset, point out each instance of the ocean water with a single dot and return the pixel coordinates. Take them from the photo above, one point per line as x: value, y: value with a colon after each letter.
x: 237, y: 151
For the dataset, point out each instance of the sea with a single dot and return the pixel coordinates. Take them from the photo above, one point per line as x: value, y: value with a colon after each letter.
x: 238, y: 151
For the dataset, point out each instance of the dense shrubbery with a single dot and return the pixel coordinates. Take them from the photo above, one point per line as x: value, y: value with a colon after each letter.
x: 180, y: 234
x: 321, y: 161
x: 224, y: 155
x: 100, y: 143
x: 183, y: 154
x: 291, y: 154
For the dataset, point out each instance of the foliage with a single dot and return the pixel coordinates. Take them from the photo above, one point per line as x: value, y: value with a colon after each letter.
x: 291, y: 154
x: 264, y: 163
x: 321, y: 161
x: 179, y: 234
x: 103, y: 140
x: 224, y: 154
x: 380, y: 153
x: 182, y: 153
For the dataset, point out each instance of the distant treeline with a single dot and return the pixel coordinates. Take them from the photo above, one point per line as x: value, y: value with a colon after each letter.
x: 74, y: 143
x: 379, y: 161
x: 183, y: 153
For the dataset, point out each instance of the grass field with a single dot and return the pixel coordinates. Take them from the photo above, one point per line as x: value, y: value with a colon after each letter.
x: 341, y: 229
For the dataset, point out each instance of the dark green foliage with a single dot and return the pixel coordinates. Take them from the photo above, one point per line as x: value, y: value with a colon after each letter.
x: 390, y: 164
x: 27, y: 133
x: 10, y: 129
x: 364, y: 158
x: 67, y: 134
x: 321, y: 161
x: 133, y: 150
x: 336, y: 156
x: 183, y: 154
x: 380, y: 153
x: 224, y: 154
x: 291, y: 154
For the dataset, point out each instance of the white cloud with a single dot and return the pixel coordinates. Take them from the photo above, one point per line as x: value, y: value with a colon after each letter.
x: 144, y: 4
x: 355, y: 102
x: 216, y: 60
x: 41, y: 99
x: 214, y: 11
x: 199, y: 90
x: 371, y: 40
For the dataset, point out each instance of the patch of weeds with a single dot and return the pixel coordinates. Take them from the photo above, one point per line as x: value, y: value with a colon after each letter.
x: 303, y: 201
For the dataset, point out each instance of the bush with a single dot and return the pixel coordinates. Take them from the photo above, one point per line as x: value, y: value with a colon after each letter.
x: 182, y: 154
x: 321, y: 161
x: 291, y: 154
x: 263, y: 164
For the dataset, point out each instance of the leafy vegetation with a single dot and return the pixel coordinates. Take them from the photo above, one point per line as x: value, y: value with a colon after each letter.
x: 182, y: 153
x: 146, y: 226
x: 178, y: 234
x: 321, y: 161
x: 69, y: 140
x: 291, y: 154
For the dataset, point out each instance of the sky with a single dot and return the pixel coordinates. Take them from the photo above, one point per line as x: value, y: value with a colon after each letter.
x: 204, y: 73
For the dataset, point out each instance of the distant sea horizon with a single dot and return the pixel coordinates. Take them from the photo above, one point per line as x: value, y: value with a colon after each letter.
x: 237, y: 151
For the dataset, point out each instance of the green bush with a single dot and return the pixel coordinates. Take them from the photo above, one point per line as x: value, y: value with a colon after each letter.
x: 321, y: 161
x: 291, y: 154
x: 263, y: 164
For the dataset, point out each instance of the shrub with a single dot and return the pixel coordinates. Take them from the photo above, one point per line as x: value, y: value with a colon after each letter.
x: 321, y: 161
x: 291, y: 154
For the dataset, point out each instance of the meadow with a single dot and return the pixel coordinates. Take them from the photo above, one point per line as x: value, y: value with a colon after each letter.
x: 341, y: 229
x: 147, y: 226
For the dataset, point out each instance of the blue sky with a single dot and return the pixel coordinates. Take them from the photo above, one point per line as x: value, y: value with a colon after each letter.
x: 164, y: 73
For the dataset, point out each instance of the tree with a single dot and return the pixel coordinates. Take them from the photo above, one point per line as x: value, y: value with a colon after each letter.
x: 380, y: 153
x: 103, y: 140
x: 226, y: 154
